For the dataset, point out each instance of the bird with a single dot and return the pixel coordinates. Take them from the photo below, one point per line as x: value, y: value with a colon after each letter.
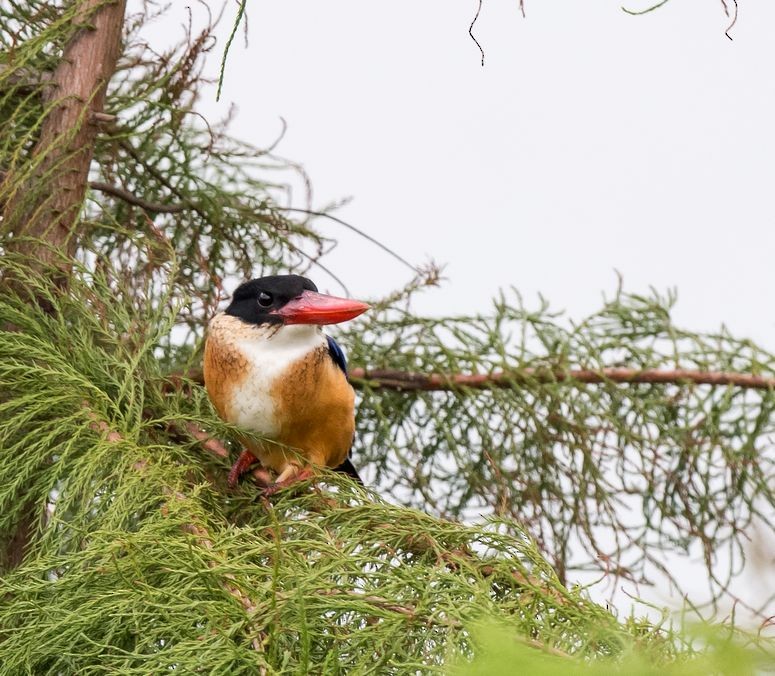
x: 269, y: 369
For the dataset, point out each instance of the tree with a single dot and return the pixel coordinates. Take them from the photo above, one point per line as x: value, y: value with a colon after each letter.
x: 123, y: 547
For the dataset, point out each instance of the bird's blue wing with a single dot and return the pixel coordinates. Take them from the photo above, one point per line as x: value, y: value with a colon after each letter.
x: 339, y: 359
x: 337, y: 354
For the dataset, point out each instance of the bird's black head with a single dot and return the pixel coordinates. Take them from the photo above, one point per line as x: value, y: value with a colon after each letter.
x: 258, y: 300
x: 290, y: 299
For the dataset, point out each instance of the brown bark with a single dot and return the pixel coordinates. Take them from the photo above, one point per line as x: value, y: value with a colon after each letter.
x: 405, y: 380
x: 15, y: 544
x: 46, y: 206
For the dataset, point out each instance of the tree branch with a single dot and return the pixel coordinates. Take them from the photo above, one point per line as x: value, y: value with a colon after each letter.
x: 406, y: 381
x: 128, y: 197
x: 26, y: 80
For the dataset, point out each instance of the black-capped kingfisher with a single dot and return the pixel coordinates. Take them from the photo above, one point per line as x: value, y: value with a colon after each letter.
x: 269, y: 369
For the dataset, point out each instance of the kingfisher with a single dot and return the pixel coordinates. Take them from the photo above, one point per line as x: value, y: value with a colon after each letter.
x: 269, y: 369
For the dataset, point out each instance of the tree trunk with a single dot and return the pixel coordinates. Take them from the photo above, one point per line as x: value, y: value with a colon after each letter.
x: 46, y: 206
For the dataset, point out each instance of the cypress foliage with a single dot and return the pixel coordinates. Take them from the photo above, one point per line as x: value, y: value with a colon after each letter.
x: 124, y: 550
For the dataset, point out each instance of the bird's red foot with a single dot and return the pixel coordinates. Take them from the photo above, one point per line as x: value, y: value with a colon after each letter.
x: 279, y: 485
x: 245, y: 460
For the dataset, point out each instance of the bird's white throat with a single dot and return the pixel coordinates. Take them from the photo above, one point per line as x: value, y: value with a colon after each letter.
x: 280, y: 346
x: 270, y: 352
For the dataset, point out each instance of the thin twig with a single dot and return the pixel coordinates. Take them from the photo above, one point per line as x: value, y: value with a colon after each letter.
x: 210, y: 444
x: 25, y: 79
x: 357, y: 231
x: 645, y: 11
x: 471, y: 30
x: 240, y: 14
x: 128, y: 197
x: 186, y: 203
x: 380, y: 602
x: 734, y: 17
x: 206, y: 542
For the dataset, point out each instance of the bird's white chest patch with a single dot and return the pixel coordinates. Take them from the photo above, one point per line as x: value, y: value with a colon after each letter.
x: 270, y: 353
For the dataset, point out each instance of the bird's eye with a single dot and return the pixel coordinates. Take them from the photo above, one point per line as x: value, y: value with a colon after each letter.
x: 265, y: 299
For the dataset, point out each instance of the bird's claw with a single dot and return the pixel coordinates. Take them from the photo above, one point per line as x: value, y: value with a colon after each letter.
x: 243, y: 462
x: 262, y: 476
x: 285, y: 483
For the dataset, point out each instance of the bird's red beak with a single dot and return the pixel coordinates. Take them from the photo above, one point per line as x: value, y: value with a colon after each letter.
x: 318, y: 308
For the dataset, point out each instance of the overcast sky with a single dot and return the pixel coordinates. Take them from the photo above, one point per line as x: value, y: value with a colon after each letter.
x: 591, y: 141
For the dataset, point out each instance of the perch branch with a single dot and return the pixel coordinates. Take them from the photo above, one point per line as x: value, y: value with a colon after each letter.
x: 405, y: 380
x: 388, y: 379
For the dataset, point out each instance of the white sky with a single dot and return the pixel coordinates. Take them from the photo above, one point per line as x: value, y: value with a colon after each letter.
x: 591, y: 141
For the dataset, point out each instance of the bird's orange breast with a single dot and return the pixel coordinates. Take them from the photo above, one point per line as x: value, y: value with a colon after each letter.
x: 316, y: 409
x: 225, y: 367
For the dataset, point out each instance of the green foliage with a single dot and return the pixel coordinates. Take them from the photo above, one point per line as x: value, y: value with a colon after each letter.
x: 141, y: 559
x: 610, y: 476
x: 144, y: 561
x: 224, y: 220
x: 723, y: 653
x: 144, y: 558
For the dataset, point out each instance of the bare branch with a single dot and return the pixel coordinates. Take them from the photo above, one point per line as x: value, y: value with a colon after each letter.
x: 404, y: 380
x: 128, y: 197
x: 357, y: 231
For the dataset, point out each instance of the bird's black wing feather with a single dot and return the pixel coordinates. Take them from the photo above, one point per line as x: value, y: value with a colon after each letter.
x: 347, y: 468
x: 337, y: 354
x: 341, y: 361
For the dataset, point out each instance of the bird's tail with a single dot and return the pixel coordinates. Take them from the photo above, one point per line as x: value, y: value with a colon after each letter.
x: 347, y: 468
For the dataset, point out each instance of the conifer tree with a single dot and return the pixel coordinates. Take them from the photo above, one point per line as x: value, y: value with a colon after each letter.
x: 505, y: 452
